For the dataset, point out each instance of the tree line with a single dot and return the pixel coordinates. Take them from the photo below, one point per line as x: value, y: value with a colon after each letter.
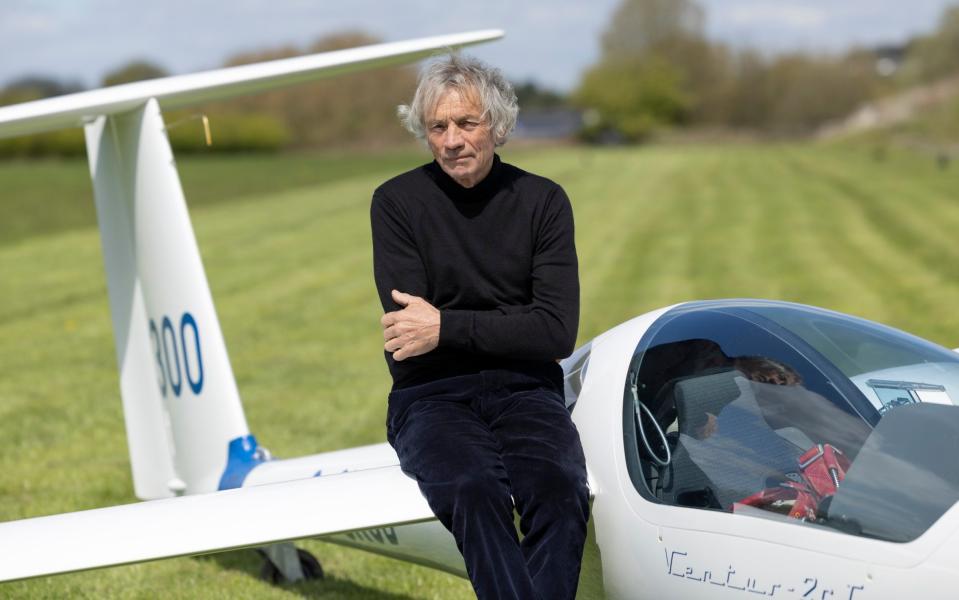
x: 657, y: 71
x: 358, y: 110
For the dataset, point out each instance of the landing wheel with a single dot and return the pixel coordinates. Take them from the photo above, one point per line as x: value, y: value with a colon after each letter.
x: 308, y: 563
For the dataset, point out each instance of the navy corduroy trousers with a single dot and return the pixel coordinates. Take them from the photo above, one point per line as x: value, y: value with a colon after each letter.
x: 478, y: 443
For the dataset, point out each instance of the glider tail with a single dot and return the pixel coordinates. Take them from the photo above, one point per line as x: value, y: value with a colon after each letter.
x: 182, y: 409
x: 185, y: 426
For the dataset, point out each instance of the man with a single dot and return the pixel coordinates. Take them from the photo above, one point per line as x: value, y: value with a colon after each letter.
x: 476, y: 269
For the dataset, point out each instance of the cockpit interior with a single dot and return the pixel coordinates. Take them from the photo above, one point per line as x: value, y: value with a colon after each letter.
x: 780, y: 410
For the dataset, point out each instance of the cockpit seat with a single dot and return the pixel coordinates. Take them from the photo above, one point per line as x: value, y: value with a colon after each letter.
x: 686, y: 484
x: 697, y: 397
x: 737, y: 453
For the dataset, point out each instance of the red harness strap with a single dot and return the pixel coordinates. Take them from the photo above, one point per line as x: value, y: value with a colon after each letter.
x: 822, y: 468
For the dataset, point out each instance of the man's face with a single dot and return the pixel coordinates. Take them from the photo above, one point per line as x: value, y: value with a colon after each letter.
x: 460, y: 138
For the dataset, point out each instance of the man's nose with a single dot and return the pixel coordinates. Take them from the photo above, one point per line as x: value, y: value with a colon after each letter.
x: 453, y: 137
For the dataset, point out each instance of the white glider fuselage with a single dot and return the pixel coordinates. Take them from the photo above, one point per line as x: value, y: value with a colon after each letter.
x: 653, y: 550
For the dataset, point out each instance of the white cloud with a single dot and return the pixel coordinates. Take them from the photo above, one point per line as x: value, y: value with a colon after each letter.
x: 759, y: 14
x: 29, y: 24
x: 19, y: 19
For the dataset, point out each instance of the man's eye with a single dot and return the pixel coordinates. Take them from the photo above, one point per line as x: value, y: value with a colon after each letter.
x: 469, y: 125
x: 437, y: 127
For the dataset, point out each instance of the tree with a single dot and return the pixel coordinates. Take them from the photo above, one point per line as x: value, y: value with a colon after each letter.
x: 641, y: 27
x: 630, y: 98
x: 749, y: 99
x: 35, y: 87
x: 529, y: 95
x: 356, y: 109
x: 659, y: 70
x: 794, y: 94
x: 653, y: 55
x: 937, y: 55
x: 67, y: 142
x: 137, y: 70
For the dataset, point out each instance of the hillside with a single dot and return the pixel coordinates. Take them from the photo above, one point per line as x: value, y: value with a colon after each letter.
x: 924, y: 117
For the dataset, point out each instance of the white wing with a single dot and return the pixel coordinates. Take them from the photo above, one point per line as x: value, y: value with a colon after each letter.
x: 76, y: 110
x: 204, y: 523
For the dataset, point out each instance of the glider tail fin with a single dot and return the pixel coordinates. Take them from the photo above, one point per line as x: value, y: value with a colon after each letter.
x: 181, y: 405
x: 185, y: 426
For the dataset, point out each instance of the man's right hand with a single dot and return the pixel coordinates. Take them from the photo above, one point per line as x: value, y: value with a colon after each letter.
x: 412, y: 331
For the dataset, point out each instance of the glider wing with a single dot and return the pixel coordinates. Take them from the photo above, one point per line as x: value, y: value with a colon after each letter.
x: 77, y: 110
x: 204, y: 523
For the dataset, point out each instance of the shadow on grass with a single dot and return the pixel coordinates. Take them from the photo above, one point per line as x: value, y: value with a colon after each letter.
x: 249, y: 562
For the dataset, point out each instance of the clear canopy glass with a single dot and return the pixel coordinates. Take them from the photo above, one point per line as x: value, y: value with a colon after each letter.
x: 794, y: 412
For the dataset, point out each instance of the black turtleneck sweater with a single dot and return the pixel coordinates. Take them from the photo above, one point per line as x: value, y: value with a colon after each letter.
x: 498, y: 260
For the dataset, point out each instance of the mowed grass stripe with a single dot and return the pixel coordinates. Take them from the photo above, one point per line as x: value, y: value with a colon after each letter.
x: 698, y: 233
x: 926, y: 203
x: 722, y: 227
x: 618, y: 210
x: 751, y: 241
x: 908, y: 248
x: 910, y: 218
x: 913, y: 295
x: 610, y: 222
x: 830, y: 272
x: 788, y: 260
x: 918, y: 172
x: 838, y: 226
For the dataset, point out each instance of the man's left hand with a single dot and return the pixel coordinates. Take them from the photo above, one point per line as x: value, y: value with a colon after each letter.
x: 412, y: 331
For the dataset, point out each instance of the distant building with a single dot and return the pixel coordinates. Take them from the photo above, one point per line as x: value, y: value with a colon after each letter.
x: 548, y: 123
x: 889, y: 58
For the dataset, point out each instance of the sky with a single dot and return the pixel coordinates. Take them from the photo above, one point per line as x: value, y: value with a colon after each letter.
x: 550, y: 42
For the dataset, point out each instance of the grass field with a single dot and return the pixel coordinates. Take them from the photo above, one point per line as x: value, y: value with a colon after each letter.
x: 285, y: 241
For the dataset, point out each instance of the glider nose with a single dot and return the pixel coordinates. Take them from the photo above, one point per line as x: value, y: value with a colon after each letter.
x: 945, y: 559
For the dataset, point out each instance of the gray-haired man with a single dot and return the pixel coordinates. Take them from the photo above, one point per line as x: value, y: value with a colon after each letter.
x: 476, y: 268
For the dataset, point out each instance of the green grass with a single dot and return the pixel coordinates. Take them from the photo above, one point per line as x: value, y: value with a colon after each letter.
x: 285, y: 241
x: 65, y: 200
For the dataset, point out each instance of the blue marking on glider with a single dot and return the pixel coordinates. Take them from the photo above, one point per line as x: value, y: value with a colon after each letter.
x: 320, y: 473
x: 242, y: 457
x: 197, y: 385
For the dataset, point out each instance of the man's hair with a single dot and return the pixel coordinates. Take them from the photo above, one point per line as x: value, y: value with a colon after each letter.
x: 473, y: 79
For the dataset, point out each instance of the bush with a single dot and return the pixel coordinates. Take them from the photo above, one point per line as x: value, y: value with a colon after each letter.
x: 934, y: 56
x: 230, y: 133
x: 65, y: 142
x: 628, y: 99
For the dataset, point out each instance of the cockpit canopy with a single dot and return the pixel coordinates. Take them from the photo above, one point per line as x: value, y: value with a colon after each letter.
x: 771, y: 408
